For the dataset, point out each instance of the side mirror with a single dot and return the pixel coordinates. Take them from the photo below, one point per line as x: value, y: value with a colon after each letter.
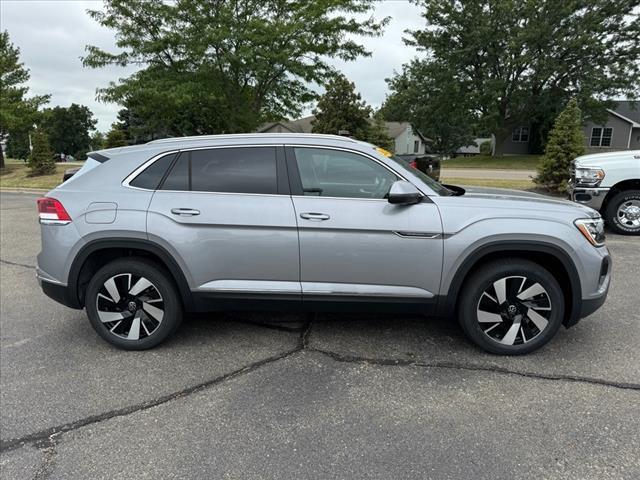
x: 404, y: 193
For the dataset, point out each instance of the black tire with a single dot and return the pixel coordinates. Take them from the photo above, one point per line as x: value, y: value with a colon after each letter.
x: 161, y: 298
x: 611, y: 214
x: 479, y: 297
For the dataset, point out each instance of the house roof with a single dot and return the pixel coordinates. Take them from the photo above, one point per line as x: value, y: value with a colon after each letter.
x: 303, y: 125
x: 627, y: 110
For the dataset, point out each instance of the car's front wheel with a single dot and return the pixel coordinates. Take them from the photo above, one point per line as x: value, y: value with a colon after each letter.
x: 133, y: 304
x: 511, y: 306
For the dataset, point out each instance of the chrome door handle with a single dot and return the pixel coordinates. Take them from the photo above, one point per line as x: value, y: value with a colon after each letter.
x: 315, y: 216
x: 187, y: 212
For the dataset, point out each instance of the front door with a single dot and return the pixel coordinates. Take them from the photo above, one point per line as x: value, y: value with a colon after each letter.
x: 353, y: 243
x: 227, y: 216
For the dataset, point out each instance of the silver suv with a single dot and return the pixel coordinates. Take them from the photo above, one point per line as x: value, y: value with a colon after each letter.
x: 141, y: 234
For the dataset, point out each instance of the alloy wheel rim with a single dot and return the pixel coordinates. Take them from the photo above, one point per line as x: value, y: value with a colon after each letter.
x: 514, y: 310
x: 629, y: 214
x: 130, y: 306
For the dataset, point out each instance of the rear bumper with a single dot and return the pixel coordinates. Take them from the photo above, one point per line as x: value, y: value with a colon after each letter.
x: 60, y: 293
x: 590, y: 196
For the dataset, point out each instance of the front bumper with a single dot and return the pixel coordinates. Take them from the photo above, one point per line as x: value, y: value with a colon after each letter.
x: 590, y: 196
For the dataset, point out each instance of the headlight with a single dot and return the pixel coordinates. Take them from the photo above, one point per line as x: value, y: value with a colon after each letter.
x: 592, y: 229
x: 589, y: 176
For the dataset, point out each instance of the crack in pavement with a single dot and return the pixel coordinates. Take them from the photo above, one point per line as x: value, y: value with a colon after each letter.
x: 16, y: 264
x: 48, y: 448
x: 46, y: 439
x: 41, y: 436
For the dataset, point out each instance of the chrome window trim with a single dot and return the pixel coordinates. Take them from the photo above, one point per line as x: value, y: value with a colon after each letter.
x: 126, y: 182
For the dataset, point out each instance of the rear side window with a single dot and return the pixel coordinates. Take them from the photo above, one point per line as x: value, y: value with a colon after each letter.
x: 151, y: 177
x: 227, y: 170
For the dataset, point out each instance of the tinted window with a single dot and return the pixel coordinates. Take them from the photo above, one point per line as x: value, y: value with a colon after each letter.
x: 334, y: 173
x: 234, y: 170
x: 152, y: 175
x: 178, y: 178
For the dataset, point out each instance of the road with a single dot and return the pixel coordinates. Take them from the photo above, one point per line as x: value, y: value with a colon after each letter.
x: 284, y: 396
x: 487, y: 174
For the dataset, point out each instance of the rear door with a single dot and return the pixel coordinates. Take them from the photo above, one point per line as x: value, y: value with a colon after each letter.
x: 227, y: 215
x: 353, y: 243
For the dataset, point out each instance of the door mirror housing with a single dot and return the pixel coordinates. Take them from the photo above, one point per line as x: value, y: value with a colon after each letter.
x: 404, y: 193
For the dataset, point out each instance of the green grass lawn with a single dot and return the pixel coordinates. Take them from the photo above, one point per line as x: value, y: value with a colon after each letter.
x: 511, y: 162
x: 489, y: 182
x: 15, y: 175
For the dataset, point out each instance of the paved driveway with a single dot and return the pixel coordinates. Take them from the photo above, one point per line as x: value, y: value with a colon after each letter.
x: 247, y: 396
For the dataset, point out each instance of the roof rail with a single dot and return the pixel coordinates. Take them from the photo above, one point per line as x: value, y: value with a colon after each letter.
x: 249, y: 135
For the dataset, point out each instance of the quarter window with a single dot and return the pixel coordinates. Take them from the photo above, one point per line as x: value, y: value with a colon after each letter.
x: 335, y: 173
x: 151, y: 177
x: 225, y: 170
x: 601, y: 136
x: 520, y: 134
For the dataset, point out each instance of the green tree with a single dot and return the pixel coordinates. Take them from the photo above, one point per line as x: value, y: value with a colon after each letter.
x: 566, y: 142
x: 115, y: 138
x: 516, y: 61
x: 377, y: 133
x: 17, y: 113
x: 427, y: 95
x: 41, y: 160
x: 341, y: 109
x: 226, y: 66
x: 97, y: 140
x: 68, y: 129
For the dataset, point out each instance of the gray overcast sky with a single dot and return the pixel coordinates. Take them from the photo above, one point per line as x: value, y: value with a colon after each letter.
x: 52, y: 35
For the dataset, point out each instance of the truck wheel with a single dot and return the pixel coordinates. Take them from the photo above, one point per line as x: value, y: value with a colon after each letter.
x: 511, y: 306
x: 623, y: 213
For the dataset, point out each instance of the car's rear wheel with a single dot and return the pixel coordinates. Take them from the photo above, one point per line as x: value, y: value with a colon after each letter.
x: 511, y: 306
x: 133, y: 304
x: 623, y: 212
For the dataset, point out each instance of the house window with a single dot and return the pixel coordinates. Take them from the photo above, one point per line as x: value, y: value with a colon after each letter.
x: 416, y: 146
x: 601, y: 136
x: 520, y: 134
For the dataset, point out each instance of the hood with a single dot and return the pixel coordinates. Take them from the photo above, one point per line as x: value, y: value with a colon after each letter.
x: 517, y: 201
x: 604, y: 160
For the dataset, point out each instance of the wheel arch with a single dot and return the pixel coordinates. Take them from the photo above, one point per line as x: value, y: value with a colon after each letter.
x: 629, y: 184
x: 550, y: 256
x: 99, y: 252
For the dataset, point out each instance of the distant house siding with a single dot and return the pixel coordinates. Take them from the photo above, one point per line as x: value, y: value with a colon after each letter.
x: 619, y: 135
x: 514, y: 147
x: 635, y: 139
x: 405, y: 143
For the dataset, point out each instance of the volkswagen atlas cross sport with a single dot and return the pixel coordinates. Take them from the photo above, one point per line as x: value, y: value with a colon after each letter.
x: 141, y: 234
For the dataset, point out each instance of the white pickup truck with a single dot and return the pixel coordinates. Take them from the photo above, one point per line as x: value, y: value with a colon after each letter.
x: 610, y: 183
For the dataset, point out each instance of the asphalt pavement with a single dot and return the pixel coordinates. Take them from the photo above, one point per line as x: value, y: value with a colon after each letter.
x: 281, y: 395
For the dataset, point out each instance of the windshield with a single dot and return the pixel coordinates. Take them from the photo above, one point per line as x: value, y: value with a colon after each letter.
x: 430, y: 182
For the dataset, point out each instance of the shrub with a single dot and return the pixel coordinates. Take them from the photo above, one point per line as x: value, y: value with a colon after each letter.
x: 41, y: 160
x: 566, y: 142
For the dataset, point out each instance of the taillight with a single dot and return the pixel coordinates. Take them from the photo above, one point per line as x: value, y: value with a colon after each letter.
x: 413, y: 164
x: 51, y: 211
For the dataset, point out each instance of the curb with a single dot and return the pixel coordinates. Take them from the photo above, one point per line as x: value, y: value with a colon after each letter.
x: 24, y: 190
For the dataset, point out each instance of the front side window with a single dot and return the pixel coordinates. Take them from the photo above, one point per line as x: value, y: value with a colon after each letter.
x: 225, y: 170
x: 336, y: 173
x: 520, y: 134
x: 601, y: 136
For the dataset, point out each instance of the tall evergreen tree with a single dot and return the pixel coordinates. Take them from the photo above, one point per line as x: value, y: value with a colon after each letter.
x: 566, y: 142
x: 17, y: 112
x: 341, y: 109
x: 68, y: 129
x: 41, y: 160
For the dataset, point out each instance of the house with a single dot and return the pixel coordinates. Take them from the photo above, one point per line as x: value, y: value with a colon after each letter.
x: 474, y: 147
x: 620, y: 131
x: 406, y: 140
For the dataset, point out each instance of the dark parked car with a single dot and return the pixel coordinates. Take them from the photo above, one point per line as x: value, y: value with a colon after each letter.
x: 425, y: 163
x: 69, y: 172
